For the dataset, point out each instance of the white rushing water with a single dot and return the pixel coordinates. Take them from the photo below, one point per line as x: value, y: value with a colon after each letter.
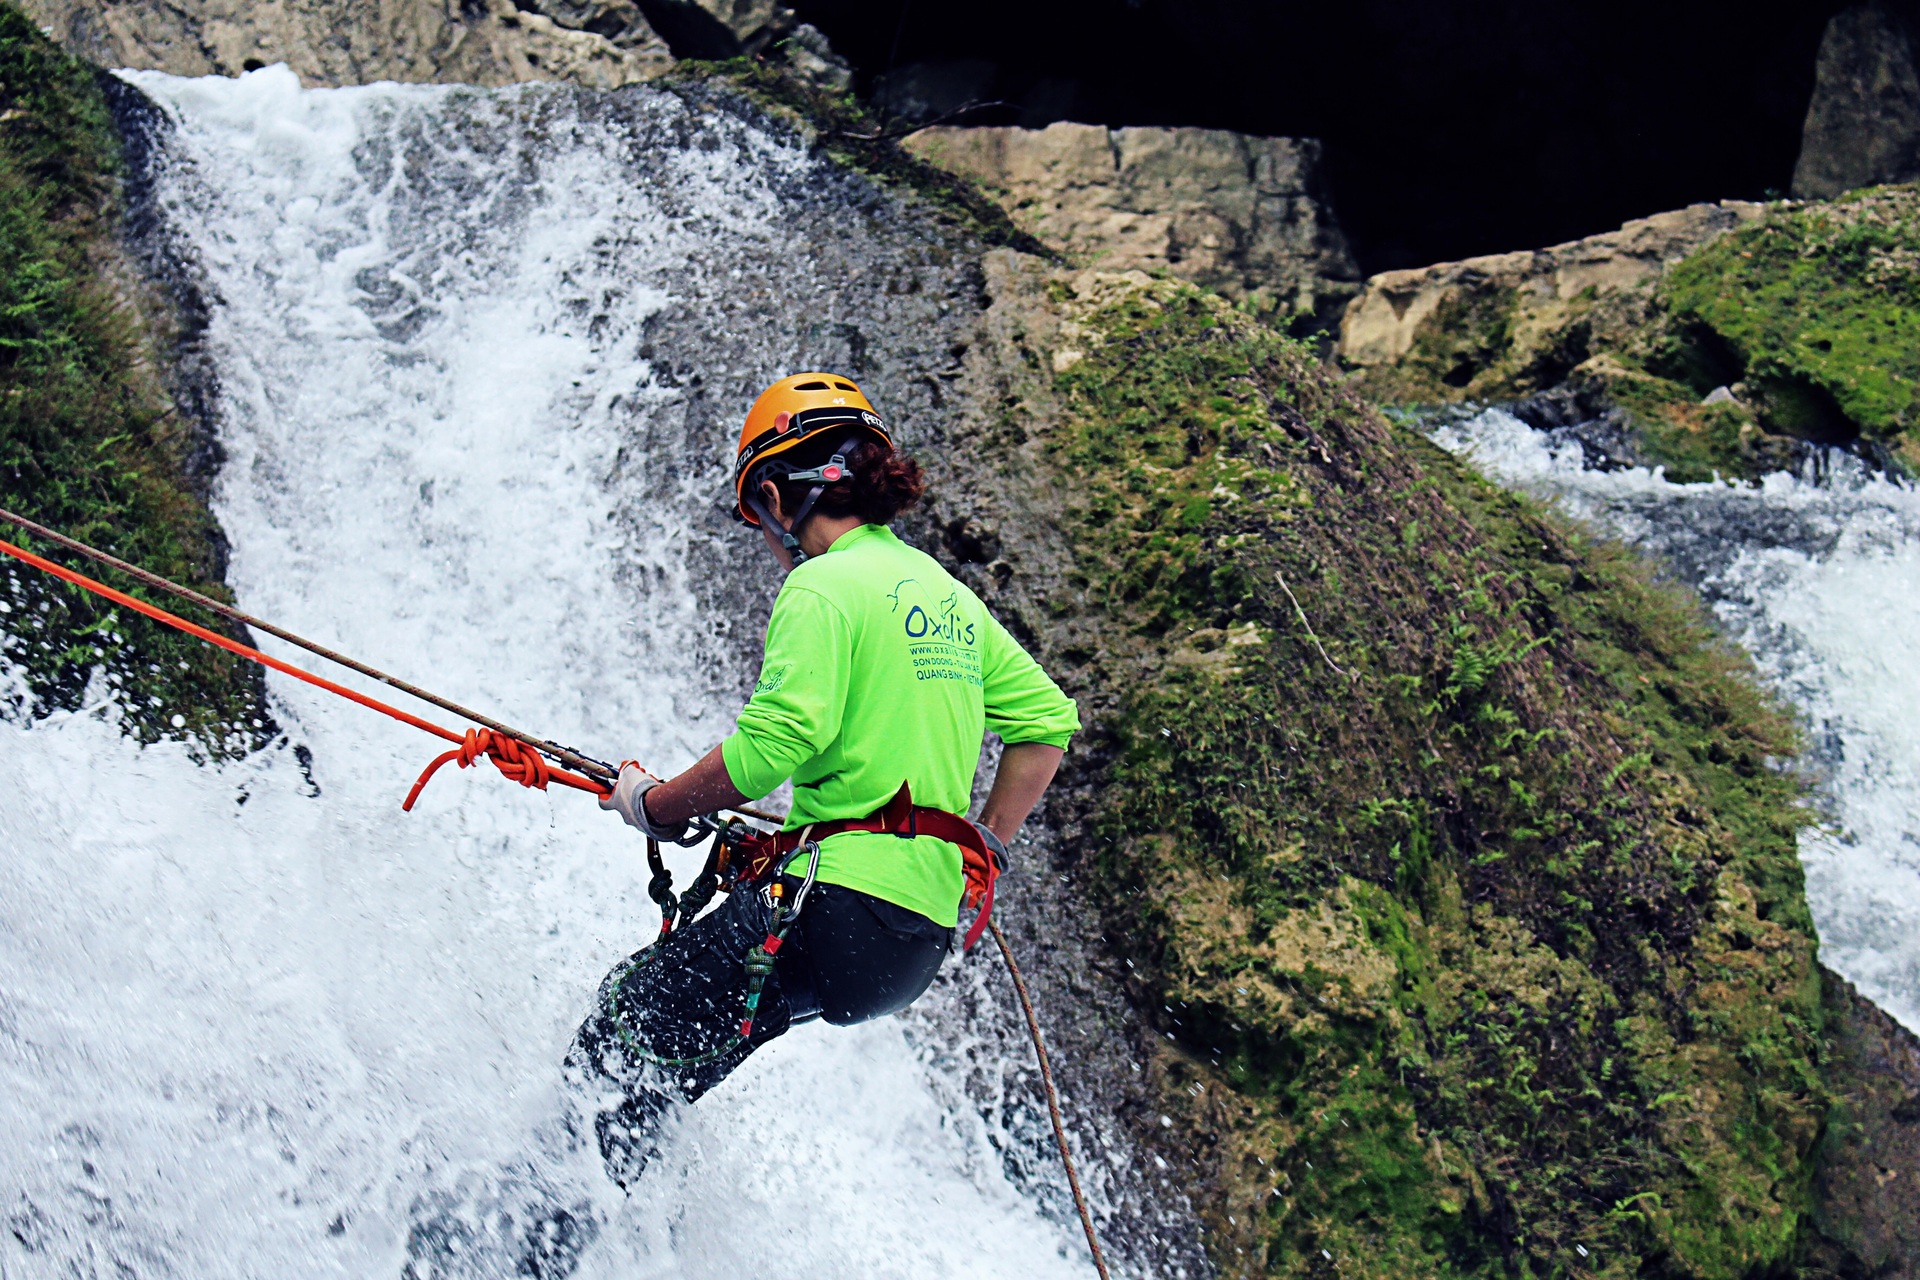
x: 1820, y: 580
x: 256, y: 1024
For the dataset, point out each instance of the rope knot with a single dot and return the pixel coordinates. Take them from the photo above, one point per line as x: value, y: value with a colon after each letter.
x: 759, y: 963
x: 515, y: 760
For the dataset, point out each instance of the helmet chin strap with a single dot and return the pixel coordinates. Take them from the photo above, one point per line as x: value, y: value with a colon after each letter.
x: 788, y: 552
x: 835, y: 470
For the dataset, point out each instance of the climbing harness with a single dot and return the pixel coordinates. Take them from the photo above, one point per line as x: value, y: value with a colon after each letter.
x: 741, y: 856
x: 900, y: 816
x: 758, y: 963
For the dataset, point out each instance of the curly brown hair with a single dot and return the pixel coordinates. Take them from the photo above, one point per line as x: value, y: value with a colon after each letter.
x: 882, y: 483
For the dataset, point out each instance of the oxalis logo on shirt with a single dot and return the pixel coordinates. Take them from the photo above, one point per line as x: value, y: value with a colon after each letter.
x: 940, y: 641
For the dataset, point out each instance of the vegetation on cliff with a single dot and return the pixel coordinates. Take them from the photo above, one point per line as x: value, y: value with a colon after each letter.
x: 89, y: 442
x: 1449, y: 842
x: 1818, y: 307
x: 1809, y: 316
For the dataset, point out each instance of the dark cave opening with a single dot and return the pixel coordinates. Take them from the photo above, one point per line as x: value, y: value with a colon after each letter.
x: 1452, y: 129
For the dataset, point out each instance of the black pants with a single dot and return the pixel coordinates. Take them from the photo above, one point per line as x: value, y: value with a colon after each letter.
x: 848, y: 958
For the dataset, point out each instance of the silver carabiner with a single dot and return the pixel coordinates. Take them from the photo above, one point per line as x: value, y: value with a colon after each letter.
x: 813, y: 869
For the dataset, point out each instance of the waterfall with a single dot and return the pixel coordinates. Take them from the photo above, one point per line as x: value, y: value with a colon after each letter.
x: 479, y: 356
x: 1818, y: 577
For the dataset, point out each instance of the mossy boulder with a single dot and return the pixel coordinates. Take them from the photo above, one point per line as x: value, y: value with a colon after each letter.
x: 1818, y: 308
x: 1510, y: 324
x: 1446, y: 841
x: 91, y: 442
x: 1800, y: 321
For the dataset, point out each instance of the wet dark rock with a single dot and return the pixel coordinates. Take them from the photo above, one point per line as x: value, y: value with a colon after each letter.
x: 1582, y: 414
x: 1867, y: 1222
x: 1863, y: 125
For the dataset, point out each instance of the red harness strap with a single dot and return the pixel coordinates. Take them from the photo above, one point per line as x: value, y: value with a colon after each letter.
x: 901, y: 817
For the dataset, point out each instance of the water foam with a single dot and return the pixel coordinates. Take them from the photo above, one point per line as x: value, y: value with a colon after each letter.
x: 1819, y: 578
x: 254, y: 1021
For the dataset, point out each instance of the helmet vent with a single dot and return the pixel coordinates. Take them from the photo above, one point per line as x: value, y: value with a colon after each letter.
x: 845, y: 386
x: 811, y: 386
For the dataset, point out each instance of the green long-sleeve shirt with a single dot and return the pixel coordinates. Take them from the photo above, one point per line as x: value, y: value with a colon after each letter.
x: 881, y: 668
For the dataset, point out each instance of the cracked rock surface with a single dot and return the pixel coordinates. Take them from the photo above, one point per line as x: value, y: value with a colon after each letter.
x: 601, y: 44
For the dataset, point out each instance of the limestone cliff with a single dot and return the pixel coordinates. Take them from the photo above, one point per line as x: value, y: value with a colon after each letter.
x: 600, y: 43
x: 1435, y: 847
x: 1243, y: 215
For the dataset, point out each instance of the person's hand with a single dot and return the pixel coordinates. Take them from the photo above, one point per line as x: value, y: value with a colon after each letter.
x: 629, y: 800
x: 995, y: 845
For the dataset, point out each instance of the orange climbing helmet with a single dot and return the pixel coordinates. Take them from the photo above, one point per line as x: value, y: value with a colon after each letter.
x: 794, y: 410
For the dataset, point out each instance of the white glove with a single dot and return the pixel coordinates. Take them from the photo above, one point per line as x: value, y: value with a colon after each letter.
x: 629, y: 800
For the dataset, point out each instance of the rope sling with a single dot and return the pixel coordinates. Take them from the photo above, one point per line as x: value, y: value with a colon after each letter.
x: 537, y: 762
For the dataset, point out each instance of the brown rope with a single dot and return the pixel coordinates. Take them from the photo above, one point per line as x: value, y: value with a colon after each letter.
x: 1053, y: 1098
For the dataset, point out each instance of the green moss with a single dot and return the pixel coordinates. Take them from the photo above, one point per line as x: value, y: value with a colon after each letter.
x: 88, y: 442
x: 1448, y: 836
x: 1811, y: 313
x: 1469, y: 336
x: 1820, y: 304
x: 1483, y: 342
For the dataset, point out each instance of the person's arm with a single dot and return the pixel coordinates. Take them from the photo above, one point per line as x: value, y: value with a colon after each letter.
x: 701, y: 789
x: 800, y: 698
x: 1026, y: 769
x: 1036, y: 721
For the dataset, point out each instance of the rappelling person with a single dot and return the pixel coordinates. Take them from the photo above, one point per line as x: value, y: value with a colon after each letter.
x: 881, y: 675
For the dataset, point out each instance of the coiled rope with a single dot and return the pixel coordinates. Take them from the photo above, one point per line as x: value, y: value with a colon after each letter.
x: 518, y: 756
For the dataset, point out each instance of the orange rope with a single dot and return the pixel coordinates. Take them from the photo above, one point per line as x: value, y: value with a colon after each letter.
x: 512, y: 758
x: 517, y: 761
